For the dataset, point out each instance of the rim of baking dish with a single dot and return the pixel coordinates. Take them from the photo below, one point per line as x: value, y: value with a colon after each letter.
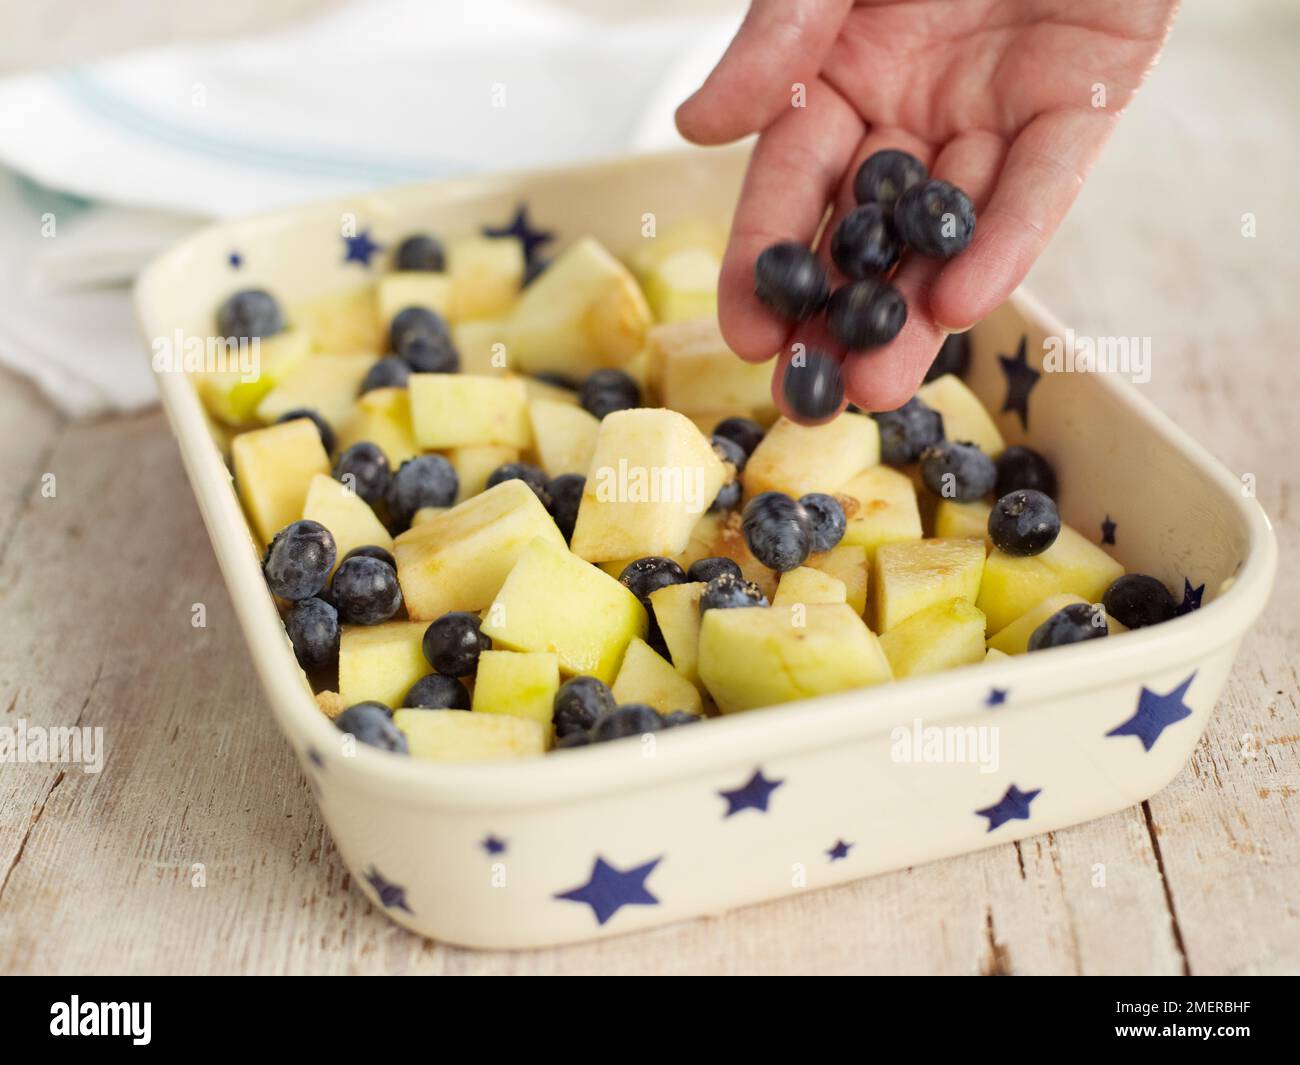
x: 753, y: 736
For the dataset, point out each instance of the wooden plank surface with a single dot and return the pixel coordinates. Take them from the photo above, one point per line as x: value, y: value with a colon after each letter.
x: 97, y: 586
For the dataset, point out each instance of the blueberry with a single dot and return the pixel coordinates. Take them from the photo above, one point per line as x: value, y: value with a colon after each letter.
x: 388, y: 372
x: 744, y: 431
x: 299, y: 560
x: 606, y: 391
x: 364, y: 468
x: 1136, y: 601
x: 566, y: 496
x: 580, y: 703
x: 705, y: 569
x: 429, y: 353
x: 249, y: 314
x: 523, y: 471
x: 437, y: 692
x: 1024, y: 523
x: 453, y: 643
x: 1021, y: 467
x: 886, y: 175
x: 649, y: 574
x: 674, y: 718
x: 322, y: 426
x: 424, y: 481
x: 958, y: 471
x: 813, y: 386
x: 789, y: 279
x: 866, y: 314
x: 935, y: 219
x: 864, y: 243
x: 728, y: 592
x: 778, y: 531
x: 728, y: 497
x: 907, y: 431
x: 313, y: 628
x: 366, y: 591
x: 953, y: 357
x: 559, y: 380
x: 373, y: 551
x: 631, y: 719
x: 1078, y: 621
x: 421, y: 252
x: 828, y: 519
x: 729, y: 451
x: 411, y: 322
x: 372, y: 723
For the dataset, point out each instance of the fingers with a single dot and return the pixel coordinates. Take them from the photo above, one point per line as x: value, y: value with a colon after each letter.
x: 1043, y: 173
x: 780, y: 43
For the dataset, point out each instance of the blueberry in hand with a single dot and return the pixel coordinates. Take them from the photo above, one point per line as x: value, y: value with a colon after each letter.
x: 299, y: 560
x: 1078, y: 621
x: 313, y: 628
x: 425, y: 353
x: 566, y: 496
x: 907, y: 431
x: 580, y: 703
x: 958, y: 471
x: 935, y: 219
x: 388, y: 372
x: 1136, y: 601
x: 866, y: 314
x: 828, y: 519
x: 437, y: 692
x: 631, y: 719
x: 953, y: 357
x: 421, y: 251
x: 864, y: 243
x: 424, y: 481
x: 523, y: 471
x: 778, y: 531
x: 322, y: 426
x: 886, y: 175
x: 372, y: 723
x: 649, y: 574
x: 373, y: 551
x: 1022, y: 467
x: 411, y: 322
x: 364, y: 468
x: 1024, y: 523
x: 366, y: 591
x: 730, y: 592
x: 249, y: 314
x: 705, y: 569
x: 813, y: 386
x: 453, y: 643
x: 789, y: 279
x: 605, y: 391
x: 744, y: 431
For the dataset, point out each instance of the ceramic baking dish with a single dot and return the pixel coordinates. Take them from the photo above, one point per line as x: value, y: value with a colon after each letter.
x: 621, y: 836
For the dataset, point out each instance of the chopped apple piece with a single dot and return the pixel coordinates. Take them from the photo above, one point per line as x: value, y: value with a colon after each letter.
x: 755, y: 656
x: 413, y: 288
x: 381, y: 662
x: 426, y: 514
x: 807, y: 585
x: 520, y: 683
x: 274, y: 468
x: 327, y: 384
x: 964, y: 416
x: 994, y: 655
x: 564, y: 436
x: 383, y: 417
x: 473, y: 466
x: 963, y: 521
x: 539, y: 389
x: 459, y: 559
x: 652, y: 475
x: 914, y: 574
x: 694, y: 370
x: 346, y: 515
x: 880, y: 505
x: 1014, y: 639
x: 460, y: 410
x: 848, y: 563
x: 486, y: 274
x: 255, y: 367
x: 483, y: 346
x: 331, y: 703
x: 684, y: 285
x: 644, y: 677
x: 798, y: 459
x: 554, y: 601
x: 677, y: 610
x: 941, y: 636
x: 457, y: 736
x: 343, y: 322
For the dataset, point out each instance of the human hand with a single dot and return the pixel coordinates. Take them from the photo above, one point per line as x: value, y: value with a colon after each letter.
x: 1010, y: 100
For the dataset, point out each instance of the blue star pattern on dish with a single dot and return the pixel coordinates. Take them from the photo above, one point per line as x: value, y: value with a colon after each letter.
x: 1021, y: 378
x: 532, y: 239
x: 1108, y: 531
x: 608, y: 889
x: 1191, y: 598
x: 360, y: 249
x: 493, y: 846
x: 235, y: 260
x: 1155, y: 713
x: 1013, y: 806
x: 840, y: 850
x: 995, y: 697
x: 752, y: 795
x: 391, y: 895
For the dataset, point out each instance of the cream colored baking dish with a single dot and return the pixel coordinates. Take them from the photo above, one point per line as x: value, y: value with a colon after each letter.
x: 621, y: 836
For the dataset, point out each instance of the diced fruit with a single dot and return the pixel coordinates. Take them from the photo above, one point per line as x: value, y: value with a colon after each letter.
x: 912, y: 575
x: 437, y: 692
x: 460, y: 410
x: 345, y: 514
x: 455, y: 736
x: 330, y: 702
x: 798, y: 459
x: 365, y: 590
x: 579, y: 704
x: 564, y: 436
x: 1012, y: 585
x: 459, y: 559
x: 383, y: 417
x: 790, y: 280
x: 695, y: 372
x: 962, y: 521
x: 554, y: 601
x: 474, y: 464
x: 1024, y: 523
x: 684, y: 285
x: 942, y: 636
x: 807, y: 585
x: 813, y: 387
x: 964, y: 416
x: 585, y: 312
x: 681, y: 236
x: 907, y: 431
x: 677, y: 610
x: 1014, y: 638
x: 381, y: 662
x: 486, y: 274
x: 426, y: 514
x: 555, y: 389
x: 880, y: 509
x: 652, y: 475
x: 1070, y: 624
x: 753, y: 658
x: 848, y: 564
x: 410, y: 288
x: 993, y: 654
x: 522, y: 684
x: 371, y: 723
x: 866, y: 314
x: 299, y: 560
x: 644, y: 677
x: 327, y: 384
x: 343, y: 322
x: 234, y: 394
x: 484, y: 346
x: 274, y: 468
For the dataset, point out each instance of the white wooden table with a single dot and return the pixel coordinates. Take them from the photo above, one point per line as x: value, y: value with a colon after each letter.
x: 97, y: 586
